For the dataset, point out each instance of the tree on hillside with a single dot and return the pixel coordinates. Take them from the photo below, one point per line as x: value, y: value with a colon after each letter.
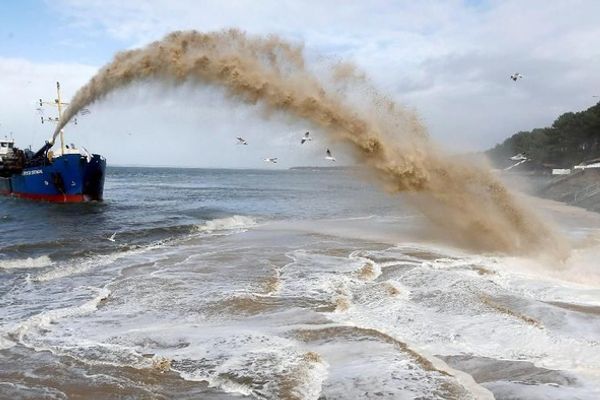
x: 573, y: 137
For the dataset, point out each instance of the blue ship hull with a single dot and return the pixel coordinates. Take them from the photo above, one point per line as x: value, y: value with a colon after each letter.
x: 71, y: 178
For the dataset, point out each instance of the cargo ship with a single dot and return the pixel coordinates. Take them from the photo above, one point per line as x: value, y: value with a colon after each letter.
x: 69, y: 174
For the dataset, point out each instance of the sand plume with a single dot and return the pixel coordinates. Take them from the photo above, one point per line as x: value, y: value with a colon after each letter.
x: 466, y: 201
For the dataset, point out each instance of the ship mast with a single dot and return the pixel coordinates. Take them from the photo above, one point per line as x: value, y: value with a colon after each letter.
x: 59, y: 104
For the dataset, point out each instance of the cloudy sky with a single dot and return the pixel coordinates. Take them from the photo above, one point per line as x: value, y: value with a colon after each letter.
x: 448, y: 60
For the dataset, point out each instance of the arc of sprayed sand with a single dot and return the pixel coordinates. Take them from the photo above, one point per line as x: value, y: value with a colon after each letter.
x: 466, y: 201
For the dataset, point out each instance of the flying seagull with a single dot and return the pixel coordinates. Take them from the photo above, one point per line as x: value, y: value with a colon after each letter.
x: 306, y: 138
x: 329, y: 156
x: 241, y: 141
x: 112, y: 237
x: 271, y: 160
x: 519, y: 157
x: 516, y: 76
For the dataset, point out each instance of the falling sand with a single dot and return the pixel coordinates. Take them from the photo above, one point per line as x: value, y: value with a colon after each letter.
x: 466, y: 201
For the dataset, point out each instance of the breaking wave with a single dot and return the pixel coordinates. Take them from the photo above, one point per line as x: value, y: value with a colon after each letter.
x: 44, y: 319
x: 26, y: 263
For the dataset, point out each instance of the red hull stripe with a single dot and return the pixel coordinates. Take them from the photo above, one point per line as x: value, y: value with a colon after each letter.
x: 54, y: 198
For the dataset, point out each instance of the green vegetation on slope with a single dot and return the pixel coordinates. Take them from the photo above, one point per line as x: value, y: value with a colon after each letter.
x: 572, y: 138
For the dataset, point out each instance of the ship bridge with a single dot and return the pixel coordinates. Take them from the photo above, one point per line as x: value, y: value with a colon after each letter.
x: 6, y: 147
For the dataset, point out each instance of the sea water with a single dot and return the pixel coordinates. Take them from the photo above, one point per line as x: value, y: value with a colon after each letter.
x: 283, y: 284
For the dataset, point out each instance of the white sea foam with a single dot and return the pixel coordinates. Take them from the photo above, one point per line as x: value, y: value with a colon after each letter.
x: 312, y: 374
x: 453, y: 303
x: 248, y: 362
x: 76, y: 266
x: 395, y: 289
x: 46, y: 318
x: 26, y: 263
x: 235, y: 222
x: 84, y: 264
x: 228, y: 386
x: 6, y: 343
x: 32, y: 331
x: 453, y: 311
x: 437, y: 301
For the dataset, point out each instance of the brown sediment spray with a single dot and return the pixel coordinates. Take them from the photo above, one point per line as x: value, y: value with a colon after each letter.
x: 467, y: 201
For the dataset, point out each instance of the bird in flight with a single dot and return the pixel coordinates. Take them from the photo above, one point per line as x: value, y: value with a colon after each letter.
x: 519, y: 157
x: 241, y: 141
x: 306, y: 138
x: 271, y: 160
x: 329, y: 156
x: 595, y: 96
x: 112, y: 237
x: 516, y: 76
